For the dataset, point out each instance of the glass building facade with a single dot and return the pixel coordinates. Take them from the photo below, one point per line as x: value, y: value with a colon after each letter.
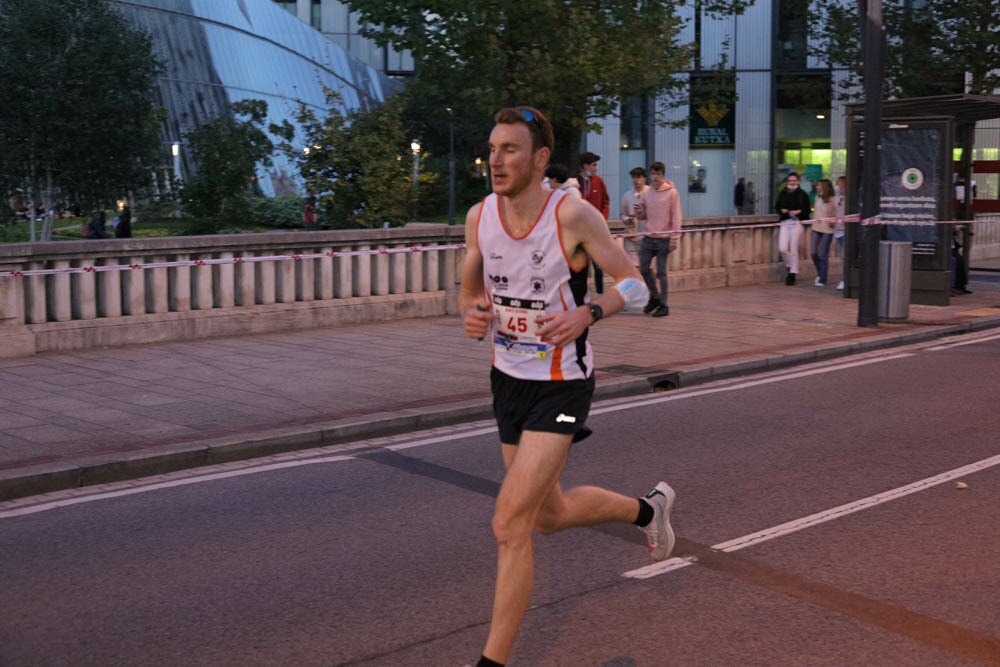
x: 216, y: 53
x: 340, y: 25
x: 786, y: 115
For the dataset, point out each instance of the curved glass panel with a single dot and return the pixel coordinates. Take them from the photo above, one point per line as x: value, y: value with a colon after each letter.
x: 216, y: 53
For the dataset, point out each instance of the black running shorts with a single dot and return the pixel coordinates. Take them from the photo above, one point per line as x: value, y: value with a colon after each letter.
x: 539, y: 405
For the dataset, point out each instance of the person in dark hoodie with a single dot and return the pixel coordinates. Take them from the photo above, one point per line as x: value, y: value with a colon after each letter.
x: 792, y: 207
x: 124, y: 228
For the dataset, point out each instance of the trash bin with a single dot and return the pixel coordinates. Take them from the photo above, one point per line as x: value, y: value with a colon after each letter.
x: 895, y: 264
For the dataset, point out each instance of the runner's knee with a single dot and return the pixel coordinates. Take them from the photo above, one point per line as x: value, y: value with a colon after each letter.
x: 510, y: 527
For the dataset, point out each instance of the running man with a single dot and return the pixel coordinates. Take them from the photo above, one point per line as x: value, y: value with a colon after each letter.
x: 524, y: 283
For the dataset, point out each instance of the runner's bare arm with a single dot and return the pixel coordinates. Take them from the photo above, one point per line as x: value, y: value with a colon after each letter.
x: 585, y: 233
x: 471, y: 294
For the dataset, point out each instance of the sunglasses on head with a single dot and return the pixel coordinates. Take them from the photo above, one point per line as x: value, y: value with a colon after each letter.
x: 527, y: 114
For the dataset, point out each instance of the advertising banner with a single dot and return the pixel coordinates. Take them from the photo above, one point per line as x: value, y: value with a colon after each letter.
x: 912, y: 184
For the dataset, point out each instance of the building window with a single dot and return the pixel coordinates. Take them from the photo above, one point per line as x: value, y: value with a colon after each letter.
x: 635, y: 121
x: 316, y: 15
x: 802, y: 126
x: 287, y: 5
x: 793, y: 31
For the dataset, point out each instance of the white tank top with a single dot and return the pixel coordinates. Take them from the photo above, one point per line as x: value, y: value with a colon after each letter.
x: 525, y: 278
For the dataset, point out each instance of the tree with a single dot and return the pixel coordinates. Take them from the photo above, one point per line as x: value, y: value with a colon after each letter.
x: 359, y: 163
x: 931, y: 46
x: 573, y: 60
x: 228, y: 150
x: 78, y: 113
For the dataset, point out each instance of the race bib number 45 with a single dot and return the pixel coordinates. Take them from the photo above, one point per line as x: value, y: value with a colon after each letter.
x: 517, y: 326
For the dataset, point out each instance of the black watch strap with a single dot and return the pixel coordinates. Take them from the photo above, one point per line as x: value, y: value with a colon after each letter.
x: 596, y: 312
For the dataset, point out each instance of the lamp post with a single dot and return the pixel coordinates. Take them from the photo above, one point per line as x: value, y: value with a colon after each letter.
x: 481, y: 173
x: 873, y: 45
x: 415, y: 149
x: 451, y: 167
x: 175, y: 150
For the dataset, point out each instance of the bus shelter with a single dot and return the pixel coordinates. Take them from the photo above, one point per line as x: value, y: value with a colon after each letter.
x: 917, y: 184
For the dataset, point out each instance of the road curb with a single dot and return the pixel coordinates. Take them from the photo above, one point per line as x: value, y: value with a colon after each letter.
x: 120, y: 466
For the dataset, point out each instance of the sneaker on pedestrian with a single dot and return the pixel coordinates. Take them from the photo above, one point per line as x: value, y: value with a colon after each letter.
x: 660, y: 536
x: 651, y: 306
x: 790, y: 279
x: 661, y: 311
x: 818, y: 282
x: 840, y: 286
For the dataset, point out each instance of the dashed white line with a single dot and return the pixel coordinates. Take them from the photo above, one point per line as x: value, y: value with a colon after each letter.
x: 796, y: 525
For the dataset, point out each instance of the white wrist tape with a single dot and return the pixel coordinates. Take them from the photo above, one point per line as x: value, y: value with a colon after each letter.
x: 634, y: 292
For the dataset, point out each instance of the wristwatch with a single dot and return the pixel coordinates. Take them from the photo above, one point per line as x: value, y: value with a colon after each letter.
x: 596, y: 312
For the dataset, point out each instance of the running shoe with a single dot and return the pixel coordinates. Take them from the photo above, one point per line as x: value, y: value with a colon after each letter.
x: 659, y: 535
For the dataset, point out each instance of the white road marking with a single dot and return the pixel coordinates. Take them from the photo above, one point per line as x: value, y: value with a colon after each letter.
x: 442, y: 438
x: 156, y: 486
x: 676, y: 396
x: 982, y: 338
x: 115, y: 490
x: 796, y: 525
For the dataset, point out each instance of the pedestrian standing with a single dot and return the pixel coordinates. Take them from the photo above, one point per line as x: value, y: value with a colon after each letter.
x: 596, y: 192
x: 95, y: 229
x: 840, y: 227
x: 749, y: 200
x: 124, y: 228
x: 821, y: 231
x: 792, y: 207
x: 628, y: 209
x: 309, y: 213
x: 739, y: 195
x: 660, y: 208
x: 557, y: 178
x: 524, y: 277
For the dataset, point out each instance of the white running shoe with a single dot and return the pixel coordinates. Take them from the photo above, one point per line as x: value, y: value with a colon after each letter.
x: 818, y: 282
x: 840, y: 285
x: 659, y: 535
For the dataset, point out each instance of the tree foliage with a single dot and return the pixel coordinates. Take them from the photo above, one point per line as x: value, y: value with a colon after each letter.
x: 77, y: 106
x: 930, y: 46
x: 573, y: 60
x: 228, y: 150
x: 359, y: 163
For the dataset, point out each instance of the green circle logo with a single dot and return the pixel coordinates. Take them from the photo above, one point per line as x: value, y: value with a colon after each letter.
x: 913, y: 178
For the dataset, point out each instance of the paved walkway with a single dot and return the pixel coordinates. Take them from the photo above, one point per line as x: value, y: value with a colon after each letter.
x: 93, y: 416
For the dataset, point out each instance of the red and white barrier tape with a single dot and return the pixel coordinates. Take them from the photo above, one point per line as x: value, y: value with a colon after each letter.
x: 875, y: 220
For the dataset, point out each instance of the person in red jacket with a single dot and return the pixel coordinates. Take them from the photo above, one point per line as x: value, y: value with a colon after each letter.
x: 596, y: 193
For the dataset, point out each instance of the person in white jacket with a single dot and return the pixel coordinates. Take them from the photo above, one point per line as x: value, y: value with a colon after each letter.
x: 629, y: 208
x: 558, y: 178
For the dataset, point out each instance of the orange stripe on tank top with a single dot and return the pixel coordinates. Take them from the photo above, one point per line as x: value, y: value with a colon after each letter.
x: 555, y: 371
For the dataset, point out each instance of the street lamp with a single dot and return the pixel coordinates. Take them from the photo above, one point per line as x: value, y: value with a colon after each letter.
x: 451, y: 167
x: 175, y: 150
x: 415, y: 148
x: 481, y: 172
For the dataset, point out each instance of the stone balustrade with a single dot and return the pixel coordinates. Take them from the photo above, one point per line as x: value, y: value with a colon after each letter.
x: 192, y: 287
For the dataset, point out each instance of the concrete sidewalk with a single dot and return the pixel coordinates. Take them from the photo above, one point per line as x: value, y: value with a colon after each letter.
x: 89, y: 417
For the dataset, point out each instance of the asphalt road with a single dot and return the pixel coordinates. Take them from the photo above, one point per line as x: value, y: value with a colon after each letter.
x: 819, y: 519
